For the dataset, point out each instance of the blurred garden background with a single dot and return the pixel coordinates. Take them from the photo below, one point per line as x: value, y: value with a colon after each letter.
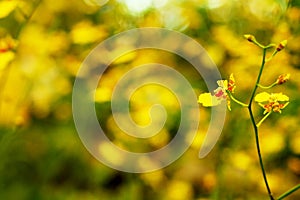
x: 44, y: 42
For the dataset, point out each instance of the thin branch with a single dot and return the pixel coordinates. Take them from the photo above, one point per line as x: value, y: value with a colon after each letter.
x: 255, y: 126
x: 289, y: 192
x: 263, y: 119
x: 267, y: 87
x: 235, y: 100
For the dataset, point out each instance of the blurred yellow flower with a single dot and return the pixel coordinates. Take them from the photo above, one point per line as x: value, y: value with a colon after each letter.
x: 5, y: 58
x: 7, y: 43
x: 271, y: 102
x: 178, y: 190
x: 6, y: 7
x: 84, y: 32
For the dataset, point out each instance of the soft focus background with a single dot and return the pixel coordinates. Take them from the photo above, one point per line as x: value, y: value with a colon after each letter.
x: 43, y: 43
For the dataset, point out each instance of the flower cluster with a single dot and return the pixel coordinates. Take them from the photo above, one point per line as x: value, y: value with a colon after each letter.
x: 270, y: 102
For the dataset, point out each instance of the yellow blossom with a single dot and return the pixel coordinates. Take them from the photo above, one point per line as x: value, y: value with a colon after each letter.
x: 220, y: 94
x: 272, y: 102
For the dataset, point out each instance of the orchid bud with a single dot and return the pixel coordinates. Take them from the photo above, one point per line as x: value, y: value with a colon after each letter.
x: 281, y: 45
x: 250, y: 38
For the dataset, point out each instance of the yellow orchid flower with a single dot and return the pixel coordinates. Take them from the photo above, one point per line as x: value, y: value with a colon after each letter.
x: 272, y: 102
x: 220, y: 94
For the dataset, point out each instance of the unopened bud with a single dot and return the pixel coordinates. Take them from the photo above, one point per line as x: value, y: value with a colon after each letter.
x: 283, y: 78
x: 281, y: 45
x: 249, y: 37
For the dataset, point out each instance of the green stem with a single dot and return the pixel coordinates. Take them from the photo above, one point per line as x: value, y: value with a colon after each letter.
x: 263, y: 46
x: 235, y: 100
x: 258, y: 44
x: 263, y: 119
x: 289, y: 192
x: 273, y: 54
x: 255, y: 126
x: 267, y: 87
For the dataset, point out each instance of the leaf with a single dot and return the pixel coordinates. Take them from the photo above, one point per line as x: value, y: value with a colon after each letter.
x: 207, y: 100
x: 85, y: 32
x: 295, y: 3
x: 6, y: 7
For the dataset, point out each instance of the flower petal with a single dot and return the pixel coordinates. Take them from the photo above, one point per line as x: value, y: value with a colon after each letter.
x: 231, y: 83
x: 223, y: 84
x: 228, y: 104
x: 220, y: 93
x: 282, y: 97
x: 207, y: 100
x: 262, y: 97
x: 5, y: 58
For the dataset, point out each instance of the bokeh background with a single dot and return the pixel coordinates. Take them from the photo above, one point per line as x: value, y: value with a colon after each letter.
x: 44, y: 42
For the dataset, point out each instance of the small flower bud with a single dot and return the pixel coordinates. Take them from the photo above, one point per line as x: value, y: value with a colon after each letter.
x: 249, y: 37
x: 283, y: 78
x: 281, y: 45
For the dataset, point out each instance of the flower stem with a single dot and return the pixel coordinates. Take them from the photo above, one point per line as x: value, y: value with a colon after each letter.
x: 263, y: 119
x: 289, y: 192
x: 256, y: 127
x: 267, y: 87
x: 273, y: 54
x: 235, y: 100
